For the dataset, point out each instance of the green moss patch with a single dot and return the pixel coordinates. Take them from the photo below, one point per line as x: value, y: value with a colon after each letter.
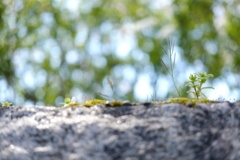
x: 93, y: 102
x: 187, y: 100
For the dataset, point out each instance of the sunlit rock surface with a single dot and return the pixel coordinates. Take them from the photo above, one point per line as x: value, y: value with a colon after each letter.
x: 137, y: 132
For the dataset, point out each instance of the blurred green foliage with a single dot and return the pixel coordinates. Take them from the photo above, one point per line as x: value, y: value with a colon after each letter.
x: 39, y: 38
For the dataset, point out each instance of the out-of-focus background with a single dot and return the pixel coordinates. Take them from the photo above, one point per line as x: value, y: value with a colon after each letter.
x: 52, y: 49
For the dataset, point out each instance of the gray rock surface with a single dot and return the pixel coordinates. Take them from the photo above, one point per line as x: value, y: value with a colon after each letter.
x: 151, y: 132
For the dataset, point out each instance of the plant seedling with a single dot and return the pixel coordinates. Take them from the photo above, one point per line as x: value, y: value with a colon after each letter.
x: 69, y: 102
x: 196, y: 81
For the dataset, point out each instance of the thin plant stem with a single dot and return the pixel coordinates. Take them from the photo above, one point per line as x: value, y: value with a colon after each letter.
x: 172, y: 57
x: 110, y: 83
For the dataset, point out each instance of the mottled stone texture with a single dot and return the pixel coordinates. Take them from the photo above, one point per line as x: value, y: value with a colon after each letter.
x: 135, y: 132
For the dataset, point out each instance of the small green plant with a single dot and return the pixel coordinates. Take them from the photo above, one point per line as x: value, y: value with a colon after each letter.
x: 69, y: 102
x: 6, y: 104
x: 196, y: 81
